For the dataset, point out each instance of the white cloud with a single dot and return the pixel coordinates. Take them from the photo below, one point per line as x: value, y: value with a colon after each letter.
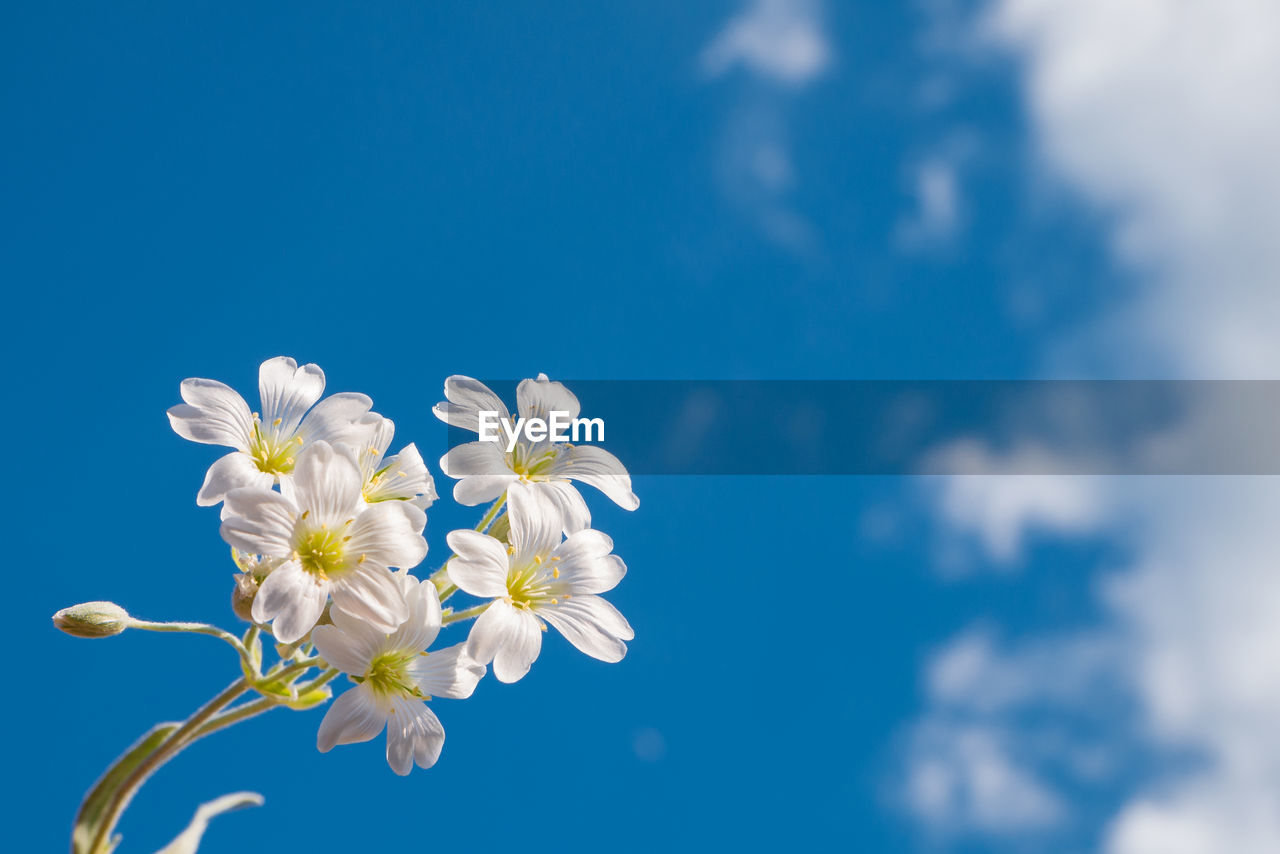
x: 935, y: 186
x: 975, y: 766
x: 965, y: 778
x: 1160, y: 114
x: 783, y: 46
x: 779, y: 40
x: 1003, y: 500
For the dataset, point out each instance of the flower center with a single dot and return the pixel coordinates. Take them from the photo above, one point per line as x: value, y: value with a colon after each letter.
x: 323, y: 551
x: 533, y: 465
x: 388, y: 675
x: 271, y: 453
x: 535, y: 583
x: 373, y: 490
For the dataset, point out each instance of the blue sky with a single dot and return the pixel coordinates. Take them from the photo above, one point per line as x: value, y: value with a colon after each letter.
x: 772, y: 189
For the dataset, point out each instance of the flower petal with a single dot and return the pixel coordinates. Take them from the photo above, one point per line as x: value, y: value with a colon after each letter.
x: 447, y: 672
x: 539, y: 398
x: 414, y: 736
x: 371, y: 593
x: 599, y: 468
x: 233, y: 471
x: 481, y: 488
x: 214, y: 414
x: 508, y: 637
x: 340, y: 419
x: 536, y: 522
x: 287, y: 393
x: 327, y: 483
x: 465, y: 399
x: 517, y: 655
x: 354, y: 717
x: 586, y: 565
x: 293, y: 599
x: 480, y: 567
x: 259, y: 521
x: 422, y: 625
x: 591, y: 624
x: 351, y: 648
x: 475, y: 458
x: 574, y: 515
x: 404, y: 477
x: 389, y: 534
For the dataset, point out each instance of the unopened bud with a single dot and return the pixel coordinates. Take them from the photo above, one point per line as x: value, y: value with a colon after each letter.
x: 92, y: 620
x: 242, y: 596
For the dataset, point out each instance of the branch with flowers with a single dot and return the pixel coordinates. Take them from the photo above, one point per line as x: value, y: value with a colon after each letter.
x: 325, y: 529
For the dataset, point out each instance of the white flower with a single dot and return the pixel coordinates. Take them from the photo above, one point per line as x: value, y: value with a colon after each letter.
x: 486, y: 469
x: 401, y: 477
x: 393, y: 677
x: 538, y: 577
x: 267, y: 443
x: 332, y: 541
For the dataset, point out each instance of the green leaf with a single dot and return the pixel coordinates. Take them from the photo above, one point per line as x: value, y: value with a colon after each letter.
x: 189, y: 840
x: 91, y: 815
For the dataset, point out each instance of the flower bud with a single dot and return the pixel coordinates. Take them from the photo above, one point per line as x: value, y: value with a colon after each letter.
x: 92, y: 620
x: 242, y: 596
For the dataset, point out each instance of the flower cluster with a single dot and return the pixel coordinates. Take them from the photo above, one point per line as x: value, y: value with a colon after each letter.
x: 326, y: 529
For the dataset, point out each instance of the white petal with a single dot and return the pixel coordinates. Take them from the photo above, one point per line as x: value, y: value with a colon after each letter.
x: 213, y: 414
x: 353, y: 717
x: 291, y: 597
x: 371, y: 593
x: 422, y: 625
x: 465, y: 398
x: 517, y: 655
x: 599, y: 468
x: 511, y: 638
x: 482, y: 488
x: 414, y: 736
x: 327, y: 483
x: 480, y: 567
x: 574, y: 515
x: 591, y: 624
x: 405, y: 478
x: 349, y: 651
x: 539, y: 398
x: 535, y: 520
x: 390, y: 534
x: 447, y: 672
x: 233, y: 471
x: 475, y: 458
x: 287, y: 393
x: 586, y: 565
x: 340, y: 419
x: 259, y: 521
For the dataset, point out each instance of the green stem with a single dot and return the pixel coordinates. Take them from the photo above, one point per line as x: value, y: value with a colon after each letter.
x: 208, y: 719
x: 260, y: 706
x: 192, y: 628
x: 169, y: 748
x: 458, y: 616
x: 491, y: 514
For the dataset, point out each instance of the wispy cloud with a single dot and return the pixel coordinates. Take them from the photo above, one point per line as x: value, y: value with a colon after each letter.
x: 781, y: 47
x: 779, y: 40
x: 935, y: 188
